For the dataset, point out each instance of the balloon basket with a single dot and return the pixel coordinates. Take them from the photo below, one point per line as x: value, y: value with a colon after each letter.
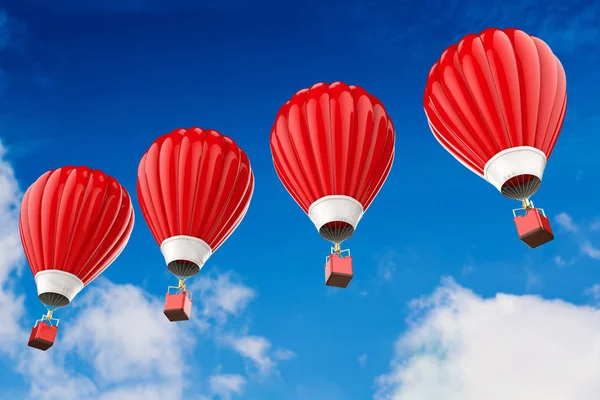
x: 178, y: 306
x: 338, y: 270
x: 42, y: 335
x: 533, y: 227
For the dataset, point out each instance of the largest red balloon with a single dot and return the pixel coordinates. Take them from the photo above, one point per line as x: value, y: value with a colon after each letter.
x: 497, y: 101
x: 74, y: 222
x: 194, y: 188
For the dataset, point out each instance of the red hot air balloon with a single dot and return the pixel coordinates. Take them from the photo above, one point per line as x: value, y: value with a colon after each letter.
x: 497, y: 101
x: 74, y: 223
x: 194, y: 188
x: 333, y: 148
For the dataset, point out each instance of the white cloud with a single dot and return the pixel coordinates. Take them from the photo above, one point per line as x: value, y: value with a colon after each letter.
x: 467, y: 269
x: 44, y: 371
x: 225, y: 385
x: 566, y: 222
x: 594, y: 292
x: 121, y: 337
x: 128, y: 349
x: 135, y: 353
x: 580, y: 235
x: 256, y: 349
x: 283, y: 354
x: 224, y: 297
x: 561, y: 262
x: 362, y: 360
x: 11, y: 304
x: 118, y: 334
x: 533, y: 280
x: 460, y: 346
x: 40, y: 369
x: 386, y: 264
x: 124, y: 333
x: 589, y: 250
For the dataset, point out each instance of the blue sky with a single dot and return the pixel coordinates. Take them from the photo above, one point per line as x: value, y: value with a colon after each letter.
x: 93, y: 83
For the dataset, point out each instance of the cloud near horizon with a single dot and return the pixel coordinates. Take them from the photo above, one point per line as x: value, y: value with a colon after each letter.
x: 460, y: 346
x: 118, y: 333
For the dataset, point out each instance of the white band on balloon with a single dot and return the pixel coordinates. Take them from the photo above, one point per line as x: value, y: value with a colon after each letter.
x: 186, y: 248
x: 61, y: 282
x: 522, y: 160
x: 335, y: 208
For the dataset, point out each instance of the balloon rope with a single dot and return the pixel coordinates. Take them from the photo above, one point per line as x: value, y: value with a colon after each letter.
x: 527, y: 205
x: 181, y: 286
x: 337, y: 248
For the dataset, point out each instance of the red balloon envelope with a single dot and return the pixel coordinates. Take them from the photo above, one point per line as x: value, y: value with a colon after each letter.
x: 194, y: 188
x: 496, y: 101
x: 74, y: 223
x: 333, y: 148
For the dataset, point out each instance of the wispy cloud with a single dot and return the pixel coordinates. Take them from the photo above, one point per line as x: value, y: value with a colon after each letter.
x: 258, y: 350
x: 533, y: 280
x: 590, y: 251
x: 595, y: 225
x: 565, y: 221
x: 283, y: 354
x: 581, y: 233
x: 390, y: 262
x: 558, y: 260
x: 224, y: 297
x: 593, y: 292
x: 469, y: 266
x: 11, y: 303
x: 362, y: 360
x: 226, y: 385
x: 386, y: 264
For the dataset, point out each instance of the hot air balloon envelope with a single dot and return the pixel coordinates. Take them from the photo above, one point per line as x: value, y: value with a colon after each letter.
x: 194, y: 188
x: 497, y: 101
x: 333, y: 148
x: 74, y: 223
